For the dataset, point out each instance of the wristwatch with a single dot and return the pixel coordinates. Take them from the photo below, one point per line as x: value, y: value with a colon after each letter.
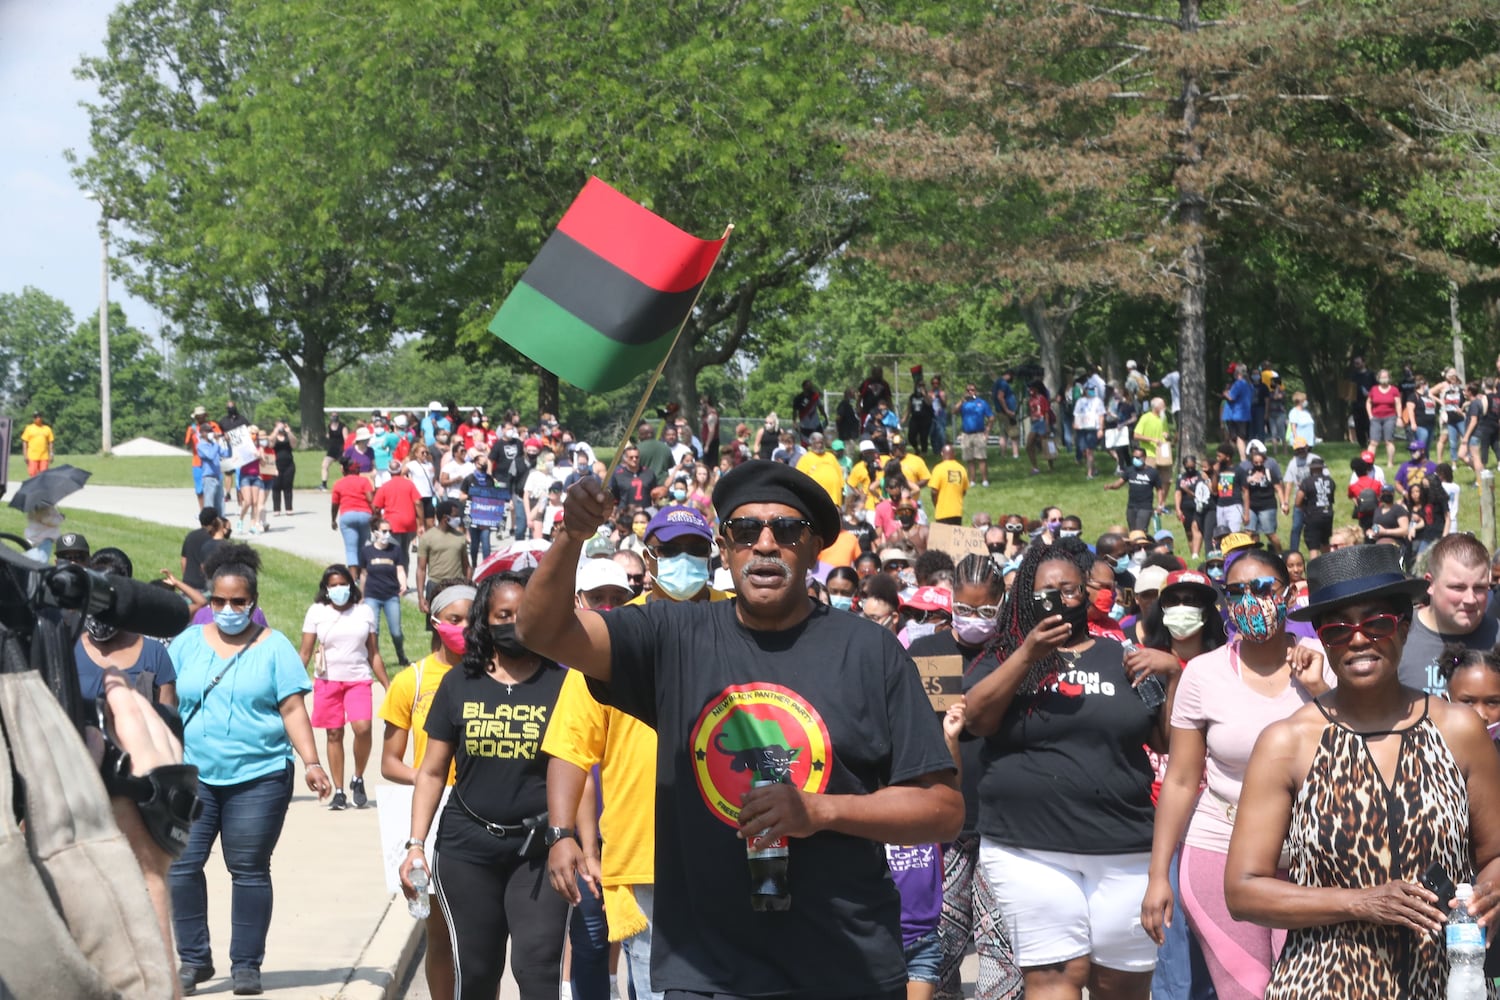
x: 415, y: 842
x: 556, y: 833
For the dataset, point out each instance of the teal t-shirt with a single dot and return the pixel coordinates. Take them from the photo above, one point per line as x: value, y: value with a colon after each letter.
x: 236, y: 734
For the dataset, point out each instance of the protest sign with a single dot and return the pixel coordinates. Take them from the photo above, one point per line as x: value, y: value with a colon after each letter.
x: 956, y: 540
x: 942, y: 679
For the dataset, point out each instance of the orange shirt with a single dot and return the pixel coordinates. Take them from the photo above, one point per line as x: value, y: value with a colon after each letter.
x: 190, y: 439
x: 843, y: 551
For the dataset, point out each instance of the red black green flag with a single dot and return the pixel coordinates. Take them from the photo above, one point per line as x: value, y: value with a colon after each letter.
x: 604, y: 298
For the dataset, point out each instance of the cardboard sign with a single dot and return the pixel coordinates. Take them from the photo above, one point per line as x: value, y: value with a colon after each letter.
x: 942, y: 679
x: 242, y: 448
x: 487, y: 506
x: 956, y: 540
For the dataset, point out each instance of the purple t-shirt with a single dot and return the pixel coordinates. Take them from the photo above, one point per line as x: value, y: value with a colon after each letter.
x: 205, y: 614
x: 918, y: 874
x: 359, y: 461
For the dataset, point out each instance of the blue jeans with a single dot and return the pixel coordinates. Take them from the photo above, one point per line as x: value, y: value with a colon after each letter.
x: 939, y: 435
x: 637, y: 948
x: 354, y: 525
x: 1296, y: 529
x: 589, y: 932
x: 246, y: 819
x: 392, y: 608
x: 479, y: 541
x: 1181, y: 973
x: 213, y: 494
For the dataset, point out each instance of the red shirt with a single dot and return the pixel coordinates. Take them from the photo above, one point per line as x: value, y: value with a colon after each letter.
x: 352, y: 495
x: 1384, y: 399
x: 396, y: 500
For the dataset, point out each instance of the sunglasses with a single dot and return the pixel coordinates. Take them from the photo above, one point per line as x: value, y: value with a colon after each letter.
x: 1261, y: 586
x: 1374, y: 628
x: 237, y: 603
x: 929, y: 617
x: 747, y: 530
x: 696, y: 547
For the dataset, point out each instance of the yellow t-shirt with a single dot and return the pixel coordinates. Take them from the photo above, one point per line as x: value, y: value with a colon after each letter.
x: 407, y: 707
x: 38, y: 441
x: 1149, y: 426
x: 915, y: 470
x: 859, y: 479
x: 825, y: 470
x: 949, y: 482
x: 584, y: 733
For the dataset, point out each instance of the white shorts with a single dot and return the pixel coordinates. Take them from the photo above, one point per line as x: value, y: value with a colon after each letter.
x: 1059, y: 906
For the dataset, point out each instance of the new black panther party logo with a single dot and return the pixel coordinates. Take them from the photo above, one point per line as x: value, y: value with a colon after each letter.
x: 757, y: 732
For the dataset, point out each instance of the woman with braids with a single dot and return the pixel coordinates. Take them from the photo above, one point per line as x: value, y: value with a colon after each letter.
x: 968, y: 910
x: 240, y: 689
x: 1227, y: 696
x: 489, y: 718
x: 1065, y: 810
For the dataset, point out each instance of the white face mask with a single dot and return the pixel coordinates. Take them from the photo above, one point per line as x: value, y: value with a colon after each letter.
x: 1183, y: 620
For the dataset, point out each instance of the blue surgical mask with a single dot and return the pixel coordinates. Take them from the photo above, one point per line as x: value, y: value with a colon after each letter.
x: 1137, y: 462
x: 232, y: 622
x: 681, y: 576
x: 1122, y: 564
x: 339, y: 595
x: 679, y: 494
x: 840, y: 602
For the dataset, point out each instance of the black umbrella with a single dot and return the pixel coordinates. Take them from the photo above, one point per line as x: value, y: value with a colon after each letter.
x: 49, y: 487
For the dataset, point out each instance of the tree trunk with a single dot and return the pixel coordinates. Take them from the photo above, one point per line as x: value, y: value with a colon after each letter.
x: 1048, y: 322
x: 1458, y: 329
x: 1192, y: 270
x: 311, y: 371
x: 681, y: 373
x: 547, y: 393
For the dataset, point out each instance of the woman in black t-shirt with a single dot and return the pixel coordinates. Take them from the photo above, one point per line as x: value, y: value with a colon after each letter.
x: 1065, y: 814
x: 1429, y: 513
x: 490, y: 863
x: 969, y: 911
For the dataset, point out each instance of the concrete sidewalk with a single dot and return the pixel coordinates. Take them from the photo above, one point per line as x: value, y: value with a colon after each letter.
x: 334, y: 930
x: 304, y: 533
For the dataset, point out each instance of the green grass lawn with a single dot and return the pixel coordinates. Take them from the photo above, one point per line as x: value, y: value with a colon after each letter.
x: 288, y: 583
x: 1013, y: 490
x: 113, y: 470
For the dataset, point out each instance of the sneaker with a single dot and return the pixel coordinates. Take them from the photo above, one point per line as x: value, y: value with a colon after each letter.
x: 985, y: 483
x: 189, y: 976
x: 247, y: 983
x: 340, y: 801
x: 357, y: 789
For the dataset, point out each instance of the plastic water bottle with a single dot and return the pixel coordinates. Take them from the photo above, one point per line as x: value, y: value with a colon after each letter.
x: 421, y: 906
x: 1465, y: 940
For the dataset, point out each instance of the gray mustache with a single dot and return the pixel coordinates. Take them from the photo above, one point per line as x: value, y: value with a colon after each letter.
x: 764, y: 563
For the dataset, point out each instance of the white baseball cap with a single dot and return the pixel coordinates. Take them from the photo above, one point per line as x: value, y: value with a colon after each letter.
x: 594, y: 574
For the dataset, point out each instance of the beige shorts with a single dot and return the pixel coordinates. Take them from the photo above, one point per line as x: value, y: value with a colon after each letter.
x: 975, y: 447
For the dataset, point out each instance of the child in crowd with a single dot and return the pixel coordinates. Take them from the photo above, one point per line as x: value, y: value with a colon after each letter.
x: 1473, y: 678
x: 918, y: 873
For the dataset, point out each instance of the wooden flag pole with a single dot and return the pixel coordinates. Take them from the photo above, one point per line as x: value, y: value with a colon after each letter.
x: 640, y: 407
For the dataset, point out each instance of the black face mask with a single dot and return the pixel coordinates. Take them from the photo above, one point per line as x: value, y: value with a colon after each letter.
x: 506, y: 643
x: 995, y: 548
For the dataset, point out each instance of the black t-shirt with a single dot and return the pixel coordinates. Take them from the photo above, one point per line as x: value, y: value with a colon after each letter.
x: 945, y: 644
x: 1227, y: 486
x: 1141, y: 483
x: 496, y: 731
x: 864, y: 531
x: 1318, y: 492
x: 335, y: 445
x: 1067, y: 770
x: 1426, y: 411
x: 509, y: 465
x: 1260, y: 487
x: 632, y: 487
x: 192, y: 551
x: 1434, y: 517
x: 836, y: 704
x: 1197, y: 492
x: 1390, y: 518
x: 380, y: 565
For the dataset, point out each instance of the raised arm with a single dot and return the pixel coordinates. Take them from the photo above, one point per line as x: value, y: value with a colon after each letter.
x: 547, y: 622
x: 985, y: 704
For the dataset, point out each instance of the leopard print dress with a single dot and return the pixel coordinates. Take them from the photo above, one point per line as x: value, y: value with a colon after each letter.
x: 1349, y: 830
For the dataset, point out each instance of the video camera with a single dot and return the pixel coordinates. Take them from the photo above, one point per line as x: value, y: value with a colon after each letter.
x: 42, y: 609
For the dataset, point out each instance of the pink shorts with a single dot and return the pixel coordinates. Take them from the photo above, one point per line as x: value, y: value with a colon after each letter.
x: 334, y: 702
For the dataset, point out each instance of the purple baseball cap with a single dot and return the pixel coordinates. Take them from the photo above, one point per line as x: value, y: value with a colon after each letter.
x: 673, y: 522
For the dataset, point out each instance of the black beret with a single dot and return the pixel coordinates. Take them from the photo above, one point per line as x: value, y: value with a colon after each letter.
x: 759, y: 481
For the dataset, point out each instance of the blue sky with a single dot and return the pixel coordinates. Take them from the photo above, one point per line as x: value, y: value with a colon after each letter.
x: 51, y: 231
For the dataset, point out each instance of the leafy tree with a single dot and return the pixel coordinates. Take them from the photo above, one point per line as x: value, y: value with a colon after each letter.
x: 235, y: 229
x: 1135, y: 149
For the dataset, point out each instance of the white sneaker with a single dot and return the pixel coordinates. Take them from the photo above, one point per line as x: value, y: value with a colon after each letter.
x: 985, y: 483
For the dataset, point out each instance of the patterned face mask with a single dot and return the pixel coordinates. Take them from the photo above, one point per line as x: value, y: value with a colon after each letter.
x: 1257, y: 619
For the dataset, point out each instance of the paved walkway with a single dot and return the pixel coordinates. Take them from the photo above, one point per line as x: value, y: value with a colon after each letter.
x: 305, y: 533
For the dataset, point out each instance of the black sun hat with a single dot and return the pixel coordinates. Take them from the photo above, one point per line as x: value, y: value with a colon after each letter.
x: 759, y: 481
x: 1356, y: 573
